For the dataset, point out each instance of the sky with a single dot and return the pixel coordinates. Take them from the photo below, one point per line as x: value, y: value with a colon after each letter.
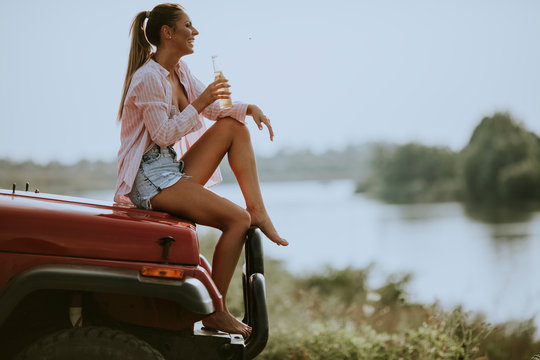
x: 328, y: 74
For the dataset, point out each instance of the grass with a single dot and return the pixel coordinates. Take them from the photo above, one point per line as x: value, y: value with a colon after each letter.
x: 335, y: 315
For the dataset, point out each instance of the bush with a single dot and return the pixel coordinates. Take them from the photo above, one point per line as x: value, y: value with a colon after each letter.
x: 500, y: 163
x: 348, y: 285
x: 412, y: 173
x: 511, y: 340
x: 520, y: 181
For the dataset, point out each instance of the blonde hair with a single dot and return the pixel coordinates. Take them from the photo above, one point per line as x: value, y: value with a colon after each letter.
x: 143, y: 37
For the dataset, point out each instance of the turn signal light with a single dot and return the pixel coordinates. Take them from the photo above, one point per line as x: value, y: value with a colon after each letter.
x: 162, y: 272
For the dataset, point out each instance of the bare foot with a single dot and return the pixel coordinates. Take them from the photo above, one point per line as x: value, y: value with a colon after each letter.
x: 224, y: 321
x: 261, y: 220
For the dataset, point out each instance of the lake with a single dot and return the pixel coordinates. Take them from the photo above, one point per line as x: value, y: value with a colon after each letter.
x: 486, y: 261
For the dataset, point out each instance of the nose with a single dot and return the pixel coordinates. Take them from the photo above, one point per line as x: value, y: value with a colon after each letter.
x: 195, y: 31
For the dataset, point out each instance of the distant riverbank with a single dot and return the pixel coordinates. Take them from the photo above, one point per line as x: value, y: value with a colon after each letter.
x: 350, y: 163
x: 500, y: 166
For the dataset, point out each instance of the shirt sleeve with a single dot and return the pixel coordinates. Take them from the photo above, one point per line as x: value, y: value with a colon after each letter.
x: 214, y: 111
x: 150, y: 99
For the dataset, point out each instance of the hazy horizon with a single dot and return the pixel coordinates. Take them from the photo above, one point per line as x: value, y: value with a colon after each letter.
x: 327, y: 76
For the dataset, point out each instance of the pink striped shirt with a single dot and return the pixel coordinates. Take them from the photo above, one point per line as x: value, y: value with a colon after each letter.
x: 148, y: 118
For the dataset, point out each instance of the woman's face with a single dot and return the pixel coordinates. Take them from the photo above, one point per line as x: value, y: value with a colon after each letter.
x: 184, y: 35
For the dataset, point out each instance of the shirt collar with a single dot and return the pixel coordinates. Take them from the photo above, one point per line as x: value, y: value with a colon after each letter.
x: 160, y: 68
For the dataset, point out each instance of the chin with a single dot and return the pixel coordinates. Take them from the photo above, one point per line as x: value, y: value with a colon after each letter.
x: 186, y: 52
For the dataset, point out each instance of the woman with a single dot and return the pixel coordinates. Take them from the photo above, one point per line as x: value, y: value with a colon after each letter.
x: 160, y: 106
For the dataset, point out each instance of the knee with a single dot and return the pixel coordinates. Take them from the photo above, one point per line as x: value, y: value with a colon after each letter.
x: 239, y: 219
x: 244, y: 219
x: 235, y: 126
x: 229, y: 121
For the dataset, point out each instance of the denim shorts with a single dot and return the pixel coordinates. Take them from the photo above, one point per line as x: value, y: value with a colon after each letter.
x: 159, y: 169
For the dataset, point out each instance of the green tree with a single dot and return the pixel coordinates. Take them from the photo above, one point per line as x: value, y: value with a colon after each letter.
x: 414, y: 172
x: 501, y: 162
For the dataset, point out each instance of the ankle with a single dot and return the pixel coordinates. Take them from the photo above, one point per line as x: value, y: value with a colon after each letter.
x: 256, y: 209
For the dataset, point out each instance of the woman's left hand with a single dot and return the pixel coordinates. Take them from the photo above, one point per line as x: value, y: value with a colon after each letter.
x: 259, y: 118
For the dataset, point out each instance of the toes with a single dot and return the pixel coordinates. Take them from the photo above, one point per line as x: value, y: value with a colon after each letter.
x: 281, y: 241
x: 228, y: 323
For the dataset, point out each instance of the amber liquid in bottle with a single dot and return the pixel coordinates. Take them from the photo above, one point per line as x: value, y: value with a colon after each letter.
x: 218, y: 74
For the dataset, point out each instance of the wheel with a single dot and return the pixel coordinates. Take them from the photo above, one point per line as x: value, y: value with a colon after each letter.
x: 90, y: 343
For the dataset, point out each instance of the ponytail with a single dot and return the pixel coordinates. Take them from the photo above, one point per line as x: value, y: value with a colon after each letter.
x: 144, y: 37
x: 138, y: 53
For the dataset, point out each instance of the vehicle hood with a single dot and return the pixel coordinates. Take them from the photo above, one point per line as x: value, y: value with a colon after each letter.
x: 76, y: 227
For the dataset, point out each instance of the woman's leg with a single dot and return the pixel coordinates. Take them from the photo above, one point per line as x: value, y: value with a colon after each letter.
x: 191, y: 200
x: 188, y: 198
x: 228, y: 136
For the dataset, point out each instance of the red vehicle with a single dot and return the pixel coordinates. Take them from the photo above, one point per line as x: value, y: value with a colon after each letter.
x: 135, y: 278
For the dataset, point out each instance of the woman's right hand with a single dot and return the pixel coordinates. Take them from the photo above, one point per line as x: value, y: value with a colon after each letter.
x: 216, y: 90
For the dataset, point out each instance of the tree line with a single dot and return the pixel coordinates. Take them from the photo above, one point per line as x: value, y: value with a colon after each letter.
x: 287, y: 165
x: 500, y: 164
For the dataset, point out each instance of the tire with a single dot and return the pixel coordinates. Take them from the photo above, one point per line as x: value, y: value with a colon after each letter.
x: 90, y: 343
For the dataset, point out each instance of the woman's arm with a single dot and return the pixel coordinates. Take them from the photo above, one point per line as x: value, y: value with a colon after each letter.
x: 238, y: 111
x: 258, y: 116
x: 210, y: 106
x: 213, y: 111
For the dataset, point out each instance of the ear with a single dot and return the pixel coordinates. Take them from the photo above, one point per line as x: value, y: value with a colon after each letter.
x: 166, y: 32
